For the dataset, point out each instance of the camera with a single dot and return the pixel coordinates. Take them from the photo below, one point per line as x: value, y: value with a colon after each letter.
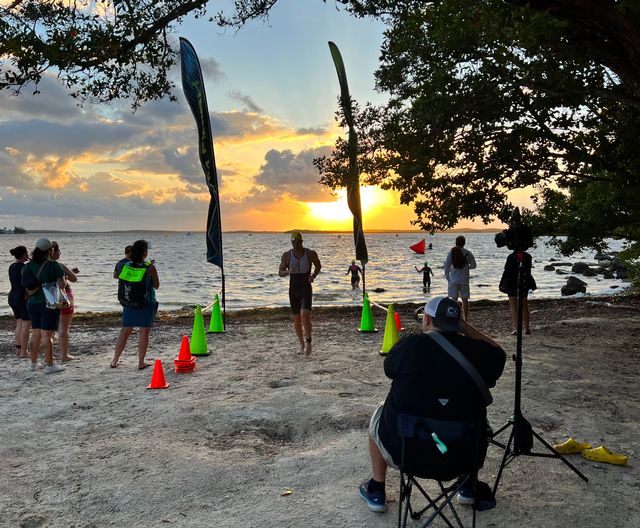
x: 518, y: 237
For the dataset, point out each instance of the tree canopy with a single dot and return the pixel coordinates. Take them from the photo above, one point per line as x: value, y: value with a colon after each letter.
x: 488, y: 97
x: 485, y: 96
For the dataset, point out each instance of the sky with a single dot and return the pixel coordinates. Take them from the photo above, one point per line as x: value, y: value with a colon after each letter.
x: 272, y: 92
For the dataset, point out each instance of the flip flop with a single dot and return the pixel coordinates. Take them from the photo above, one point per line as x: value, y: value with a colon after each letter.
x: 602, y: 454
x: 112, y: 365
x: 145, y: 366
x: 571, y: 446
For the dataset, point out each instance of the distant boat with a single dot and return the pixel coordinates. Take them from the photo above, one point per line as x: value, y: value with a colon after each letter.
x: 188, y: 233
x: 419, y: 247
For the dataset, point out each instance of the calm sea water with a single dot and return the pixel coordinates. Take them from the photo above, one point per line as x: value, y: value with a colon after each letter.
x: 251, y: 266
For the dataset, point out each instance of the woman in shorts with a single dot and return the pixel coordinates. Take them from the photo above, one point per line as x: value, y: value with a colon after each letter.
x: 44, y: 321
x: 139, y: 317
x: 18, y: 301
x: 66, y: 314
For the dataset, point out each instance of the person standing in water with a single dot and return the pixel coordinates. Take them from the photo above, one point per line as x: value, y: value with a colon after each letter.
x: 456, y: 270
x: 355, y: 271
x: 427, y: 273
x: 296, y: 263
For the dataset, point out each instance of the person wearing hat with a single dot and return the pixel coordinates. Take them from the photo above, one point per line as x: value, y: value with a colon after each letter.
x: 428, y: 382
x: 427, y: 273
x: 297, y: 263
x: 44, y: 321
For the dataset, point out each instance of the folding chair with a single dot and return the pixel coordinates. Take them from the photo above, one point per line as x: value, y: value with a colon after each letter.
x: 440, y: 450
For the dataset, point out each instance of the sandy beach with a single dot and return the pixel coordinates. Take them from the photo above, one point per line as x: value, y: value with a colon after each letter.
x: 258, y: 436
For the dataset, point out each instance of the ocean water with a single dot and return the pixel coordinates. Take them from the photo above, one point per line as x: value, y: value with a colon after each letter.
x: 252, y: 260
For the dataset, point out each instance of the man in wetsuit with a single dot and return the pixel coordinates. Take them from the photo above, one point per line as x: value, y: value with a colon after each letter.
x: 427, y: 273
x: 297, y: 264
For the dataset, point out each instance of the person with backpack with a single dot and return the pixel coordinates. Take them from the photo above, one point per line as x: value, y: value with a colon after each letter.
x: 37, y: 274
x: 137, y: 283
x: 456, y: 270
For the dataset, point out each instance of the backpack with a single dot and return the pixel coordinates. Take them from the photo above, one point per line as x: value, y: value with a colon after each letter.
x: 458, y: 258
x: 132, y: 286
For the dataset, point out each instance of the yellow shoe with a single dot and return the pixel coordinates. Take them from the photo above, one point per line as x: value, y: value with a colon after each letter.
x: 602, y: 454
x: 571, y: 446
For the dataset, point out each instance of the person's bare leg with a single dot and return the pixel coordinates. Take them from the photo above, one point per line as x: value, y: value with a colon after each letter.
x: 24, y: 338
x: 35, y: 345
x: 63, y: 336
x: 143, y: 345
x: 306, y: 325
x: 125, y: 332
x: 47, y: 338
x: 18, y: 332
x: 297, y: 324
x: 378, y: 464
x: 465, y: 309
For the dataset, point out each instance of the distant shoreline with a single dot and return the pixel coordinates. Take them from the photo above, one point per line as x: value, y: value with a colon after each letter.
x: 309, y: 231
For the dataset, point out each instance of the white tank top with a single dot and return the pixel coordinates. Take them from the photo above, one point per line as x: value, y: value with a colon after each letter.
x: 299, y: 265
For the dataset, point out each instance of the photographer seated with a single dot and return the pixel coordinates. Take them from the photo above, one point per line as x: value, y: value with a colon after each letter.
x: 428, y: 382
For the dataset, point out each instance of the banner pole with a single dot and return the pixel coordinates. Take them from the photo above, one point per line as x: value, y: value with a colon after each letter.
x: 224, y: 300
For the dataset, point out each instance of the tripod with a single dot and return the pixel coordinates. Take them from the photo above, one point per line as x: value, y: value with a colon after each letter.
x: 521, y: 437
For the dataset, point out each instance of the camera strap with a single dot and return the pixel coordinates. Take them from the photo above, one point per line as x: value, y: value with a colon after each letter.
x: 464, y: 363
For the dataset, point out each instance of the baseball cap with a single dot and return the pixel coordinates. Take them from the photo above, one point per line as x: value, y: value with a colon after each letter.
x: 43, y: 244
x: 296, y: 235
x: 445, y: 313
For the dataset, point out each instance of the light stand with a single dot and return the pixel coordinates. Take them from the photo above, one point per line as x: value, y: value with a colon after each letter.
x: 521, y: 436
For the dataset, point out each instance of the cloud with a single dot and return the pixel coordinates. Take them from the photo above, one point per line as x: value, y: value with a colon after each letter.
x: 11, y: 172
x: 211, y: 69
x: 52, y: 102
x: 250, y: 106
x: 286, y: 172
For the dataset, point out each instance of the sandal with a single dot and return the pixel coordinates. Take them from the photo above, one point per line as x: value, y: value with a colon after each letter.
x: 570, y: 447
x: 602, y: 454
x: 112, y: 365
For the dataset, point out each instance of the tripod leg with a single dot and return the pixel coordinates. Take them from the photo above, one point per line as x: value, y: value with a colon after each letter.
x: 558, y: 455
x: 503, y: 462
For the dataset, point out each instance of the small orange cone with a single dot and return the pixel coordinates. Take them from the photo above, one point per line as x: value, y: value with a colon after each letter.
x: 157, y: 379
x: 185, y: 362
x: 185, y: 351
x: 398, y: 323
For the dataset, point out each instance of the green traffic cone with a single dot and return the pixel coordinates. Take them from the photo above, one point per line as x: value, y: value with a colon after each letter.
x: 366, y: 322
x: 216, y: 325
x: 198, y: 343
x: 390, y: 332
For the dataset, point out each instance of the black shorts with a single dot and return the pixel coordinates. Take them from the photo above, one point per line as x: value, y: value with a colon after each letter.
x: 300, y: 292
x: 19, y: 308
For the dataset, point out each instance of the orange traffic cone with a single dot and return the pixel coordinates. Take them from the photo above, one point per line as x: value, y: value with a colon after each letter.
x: 398, y: 323
x: 185, y: 351
x: 185, y: 362
x: 157, y: 379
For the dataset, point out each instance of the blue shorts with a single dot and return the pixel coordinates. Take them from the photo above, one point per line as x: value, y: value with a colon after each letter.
x: 42, y: 318
x: 139, y: 317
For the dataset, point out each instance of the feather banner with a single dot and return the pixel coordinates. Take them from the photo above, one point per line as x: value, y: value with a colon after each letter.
x: 193, y: 86
x: 353, y: 176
